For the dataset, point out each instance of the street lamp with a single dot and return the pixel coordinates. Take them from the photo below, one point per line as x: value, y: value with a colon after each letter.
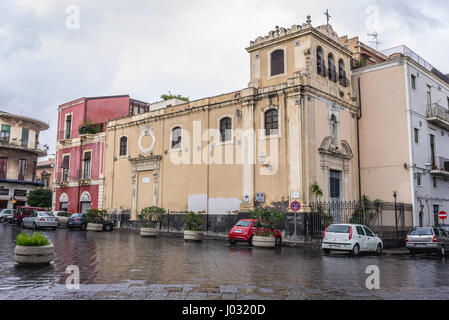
x: 395, y: 195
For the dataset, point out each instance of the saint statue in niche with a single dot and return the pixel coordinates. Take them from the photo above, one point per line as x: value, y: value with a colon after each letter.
x: 334, y: 130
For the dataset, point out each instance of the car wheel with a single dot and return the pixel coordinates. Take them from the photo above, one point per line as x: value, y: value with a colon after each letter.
x: 35, y: 227
x: 232, y: 241
x: 326, y: 251
x: 250, y: 242
x: 83, y: 227
x: 107, y: 227
x: 23, y: 225
x: 356, y: 250
x: 443, y: 251
x: 2, y: 220
x: 278, y: 242
x: 379, y: 250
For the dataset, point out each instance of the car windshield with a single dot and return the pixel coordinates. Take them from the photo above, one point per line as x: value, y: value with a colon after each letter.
x: 243, y: 224
x: 75, y: 215
x: 338, y: 229
x: 421, y: 232
x: 43, y: 214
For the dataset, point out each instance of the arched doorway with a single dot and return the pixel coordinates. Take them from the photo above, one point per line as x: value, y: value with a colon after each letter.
x: 63, y: 202
x: 85, y: 202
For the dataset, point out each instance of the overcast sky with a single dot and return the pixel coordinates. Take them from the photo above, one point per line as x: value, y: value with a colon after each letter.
x: 193, y: 47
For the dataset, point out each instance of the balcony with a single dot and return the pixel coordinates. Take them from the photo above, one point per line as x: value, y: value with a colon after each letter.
x: 441, y: 169
x: 39, y: 150
x: 438, y: 116
x: 63, y: 179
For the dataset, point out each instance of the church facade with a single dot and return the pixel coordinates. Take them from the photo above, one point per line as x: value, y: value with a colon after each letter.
x: 293, y: 126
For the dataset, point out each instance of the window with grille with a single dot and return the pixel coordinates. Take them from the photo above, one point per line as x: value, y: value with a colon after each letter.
x: 342, y: 73
x: 321, y: 65
x: 176, y: 137
x: 331, y: 66
x: 226, y: 129
x: 271, y: 122
x: 277, y: 62
x: 123, y: 146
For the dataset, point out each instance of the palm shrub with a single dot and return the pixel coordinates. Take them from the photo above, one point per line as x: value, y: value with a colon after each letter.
x: 267, y: 218
x: 95, y: 216
x: 36, y: 240
x: 193, y: 221
x: 326, y: 218
x: 151, y: 216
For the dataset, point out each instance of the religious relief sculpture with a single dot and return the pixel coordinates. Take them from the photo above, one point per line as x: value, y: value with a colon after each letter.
x: 334, y: 130
x: 146, y: 131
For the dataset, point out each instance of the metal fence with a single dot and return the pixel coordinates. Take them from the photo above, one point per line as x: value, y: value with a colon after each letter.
x: 391, y: 221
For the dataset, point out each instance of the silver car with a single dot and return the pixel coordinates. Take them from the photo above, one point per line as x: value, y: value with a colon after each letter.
x: 427, y: 240
x: 40, y: 219
x: 63, y: 217
x: 5, y: 214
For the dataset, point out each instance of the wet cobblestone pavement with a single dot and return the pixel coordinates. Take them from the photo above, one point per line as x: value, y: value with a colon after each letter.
x: 122, y: 265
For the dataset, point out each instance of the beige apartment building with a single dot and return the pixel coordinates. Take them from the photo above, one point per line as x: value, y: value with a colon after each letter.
x: 19, y: 151
x: 295, y: 124
x: 404, y: 132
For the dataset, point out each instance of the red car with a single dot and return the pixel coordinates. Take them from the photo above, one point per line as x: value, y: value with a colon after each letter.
x: 244, y: 231
x: 23, y: 212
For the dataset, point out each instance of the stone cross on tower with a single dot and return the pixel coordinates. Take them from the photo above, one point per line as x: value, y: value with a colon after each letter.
x: 328, y: 16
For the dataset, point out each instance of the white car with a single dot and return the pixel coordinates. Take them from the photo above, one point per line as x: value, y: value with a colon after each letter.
x: 63, y: 217
x: 40, y: 219
x: 353, y: 238
x: 5, y: 214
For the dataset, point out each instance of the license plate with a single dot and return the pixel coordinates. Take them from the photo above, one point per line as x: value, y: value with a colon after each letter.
x: 420, y: 245
x: 336, y: 246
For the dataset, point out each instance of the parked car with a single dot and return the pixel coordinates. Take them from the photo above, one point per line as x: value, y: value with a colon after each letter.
x: 23, y: 212
x: 427, y: 240
x: 40, y: 219
x: 446, y: 228
x: 79, y: 221
x: 63, y: 217
x: 245, y: 229
x: 352, y: 238
x: 5, y: 214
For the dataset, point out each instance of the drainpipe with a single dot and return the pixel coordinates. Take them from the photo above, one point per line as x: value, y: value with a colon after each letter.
x: 359, y: 116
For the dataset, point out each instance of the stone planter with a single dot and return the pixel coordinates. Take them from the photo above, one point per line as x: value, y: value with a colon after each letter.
x: 264, y: 242
x: 193, y: 235
x: 149, y: 232
x: 97, y: 227
x: 34, y: 255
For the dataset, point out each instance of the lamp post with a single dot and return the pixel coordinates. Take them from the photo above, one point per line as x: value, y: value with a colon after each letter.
x: 395, y: 195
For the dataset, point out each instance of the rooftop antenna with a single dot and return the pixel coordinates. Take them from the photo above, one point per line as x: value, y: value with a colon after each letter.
x: 375, y: 40
x: 328, y: 16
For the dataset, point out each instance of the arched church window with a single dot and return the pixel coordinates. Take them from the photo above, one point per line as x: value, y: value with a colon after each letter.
x: 277, y: 62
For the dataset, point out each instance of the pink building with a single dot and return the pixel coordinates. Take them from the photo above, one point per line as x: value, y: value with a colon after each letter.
x: 79, y: 169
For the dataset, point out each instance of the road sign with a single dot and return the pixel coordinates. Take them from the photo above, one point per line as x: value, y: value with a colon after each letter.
x: 442, y: 215
x: 295, y: 206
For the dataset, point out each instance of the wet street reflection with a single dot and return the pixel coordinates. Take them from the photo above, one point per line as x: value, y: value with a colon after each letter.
x: 123, y: 265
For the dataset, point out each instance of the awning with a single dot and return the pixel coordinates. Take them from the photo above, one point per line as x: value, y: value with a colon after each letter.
x: 65, y: 162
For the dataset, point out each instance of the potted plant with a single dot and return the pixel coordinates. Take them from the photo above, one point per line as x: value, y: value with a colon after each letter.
x: 267, y: 218
x: 95, y: 220
x: 150, y: 217
x: 193, y: 226
x: 35, y: 249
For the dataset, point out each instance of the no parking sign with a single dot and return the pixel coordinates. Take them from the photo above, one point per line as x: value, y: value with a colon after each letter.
x: 296, y: 206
